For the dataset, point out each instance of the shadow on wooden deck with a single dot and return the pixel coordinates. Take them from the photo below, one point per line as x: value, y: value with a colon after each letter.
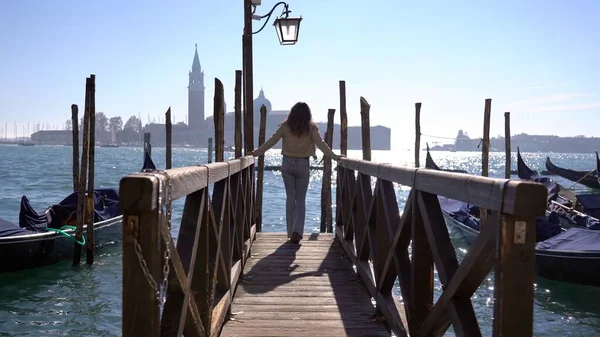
x: 309, y: 289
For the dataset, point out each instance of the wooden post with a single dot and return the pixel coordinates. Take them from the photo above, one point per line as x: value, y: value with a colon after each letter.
x: 210, y: 150
x: 326, y: 212
x: 343, y: 120
x: 343, y: 145
x: 141, y: 227
x: 261, y: 168
x: 507, y: 149
x: 365, y: 108
x: 238, y: 114
x: 417, y: 134
x: 219, y: 118
x: 91, y: 162
x: 485, y: 149
x: 81, y: 200
x: 147, y: 145
x: 75, y: 132
x: 169, y: 140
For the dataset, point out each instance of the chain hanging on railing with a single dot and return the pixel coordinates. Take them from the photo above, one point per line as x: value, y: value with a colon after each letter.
x: 164, y: 216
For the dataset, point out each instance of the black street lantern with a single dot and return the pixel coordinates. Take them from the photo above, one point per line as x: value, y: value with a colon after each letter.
x: 287, y: 30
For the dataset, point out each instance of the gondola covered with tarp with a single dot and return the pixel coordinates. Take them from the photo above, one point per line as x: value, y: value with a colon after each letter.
x: 567, y: 255
x: 44, y: 238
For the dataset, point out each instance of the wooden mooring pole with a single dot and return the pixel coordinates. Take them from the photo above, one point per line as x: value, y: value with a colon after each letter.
x: 89, y: 254
x: 507, y: 149
x: 219, y: 120
x: 168, y: 140
x: 81, y: 195
x: 343, y: 147
x: 147, y: 145
x: 417, y: 134
x: 261, y: 168
x: 343, y: 120
x: 238, y: 114
x: 209, y: 150
x: 326, y: 207
x: 75, y: 133
x: 485, y: 149
x: 365, y: 109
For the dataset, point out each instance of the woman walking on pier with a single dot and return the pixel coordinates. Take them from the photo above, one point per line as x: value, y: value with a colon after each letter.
x: 300, y: 135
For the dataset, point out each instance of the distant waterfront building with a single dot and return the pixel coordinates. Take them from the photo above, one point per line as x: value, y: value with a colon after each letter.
x: 199, y: 127
x: 196, y: 94
x: 380, y: 135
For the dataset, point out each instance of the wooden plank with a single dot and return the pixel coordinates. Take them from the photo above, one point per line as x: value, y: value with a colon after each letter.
x: 515, y: 197
x: 514, y: 277
x: 301, y: 290
x: 140, y: 227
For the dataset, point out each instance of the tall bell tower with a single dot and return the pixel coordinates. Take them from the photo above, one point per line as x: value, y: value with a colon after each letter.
x: 196, y: 94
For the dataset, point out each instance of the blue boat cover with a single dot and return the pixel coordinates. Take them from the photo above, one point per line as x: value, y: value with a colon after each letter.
x: 10, y: 229
x: 574, y: 239
x: 106, y: 206
x: 546, y: 226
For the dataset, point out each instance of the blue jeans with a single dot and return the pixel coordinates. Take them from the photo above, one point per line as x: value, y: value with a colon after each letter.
x: 296, y: 175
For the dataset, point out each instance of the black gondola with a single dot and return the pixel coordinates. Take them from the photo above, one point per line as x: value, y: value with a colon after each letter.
x: 586, y: 178
x: 41, y: 239
x: 571, y: 255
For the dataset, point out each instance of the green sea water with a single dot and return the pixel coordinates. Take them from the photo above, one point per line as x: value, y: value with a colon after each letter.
x: 61, y: 300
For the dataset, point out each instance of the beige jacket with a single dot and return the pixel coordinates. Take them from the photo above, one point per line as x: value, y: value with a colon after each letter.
x: 297, y: 147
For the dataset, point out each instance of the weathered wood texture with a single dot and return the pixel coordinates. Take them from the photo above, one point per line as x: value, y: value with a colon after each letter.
x: 200, y: 273
x: 301, y: 290
x: 89, y: 210
x: 219, y: 120
x: 365, y: 123
x: 418, y: 134
x: 83, y: 174
x: 372, y: 231
x: 326, y: 207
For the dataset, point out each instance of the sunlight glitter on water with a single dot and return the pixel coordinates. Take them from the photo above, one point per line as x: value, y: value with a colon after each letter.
x: 62, y: 301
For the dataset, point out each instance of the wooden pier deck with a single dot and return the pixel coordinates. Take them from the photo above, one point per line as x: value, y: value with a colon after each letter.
x: 309, y: 289
x: 223, y: 276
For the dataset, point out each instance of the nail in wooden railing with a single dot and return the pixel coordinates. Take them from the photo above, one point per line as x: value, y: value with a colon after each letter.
x: 202, y: 270
x: 371, y: 230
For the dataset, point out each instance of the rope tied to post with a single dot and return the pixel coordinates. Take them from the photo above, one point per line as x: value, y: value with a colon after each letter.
x: 62, y: 231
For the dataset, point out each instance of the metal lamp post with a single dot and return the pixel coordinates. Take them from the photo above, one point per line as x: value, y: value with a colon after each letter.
x: 287, y: 32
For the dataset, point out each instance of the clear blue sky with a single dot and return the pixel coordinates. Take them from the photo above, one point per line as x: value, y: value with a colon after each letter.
x: 537, y: 59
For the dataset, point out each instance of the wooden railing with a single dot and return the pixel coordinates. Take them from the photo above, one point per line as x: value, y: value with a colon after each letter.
x: 372, y: 231
x: 199, y: 274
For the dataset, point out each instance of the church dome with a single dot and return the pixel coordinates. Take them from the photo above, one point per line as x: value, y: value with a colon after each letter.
x: 259, y: 101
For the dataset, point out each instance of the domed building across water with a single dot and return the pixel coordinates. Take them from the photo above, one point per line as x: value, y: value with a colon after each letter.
x: 380, y: 135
